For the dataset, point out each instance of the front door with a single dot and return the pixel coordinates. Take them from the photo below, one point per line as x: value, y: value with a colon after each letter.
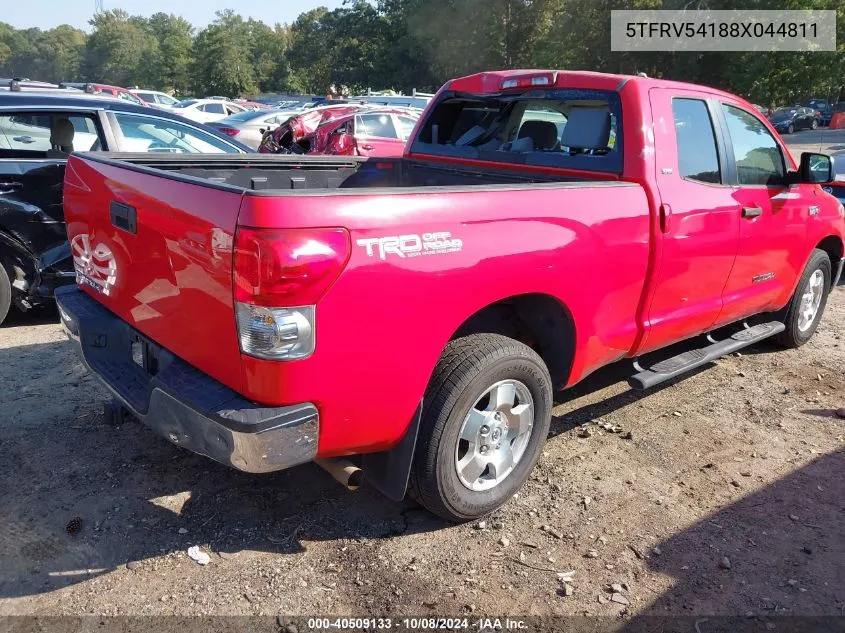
x: 773, y: 218
x: 699, y: 223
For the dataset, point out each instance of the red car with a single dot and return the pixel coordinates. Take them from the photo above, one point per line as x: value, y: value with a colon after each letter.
x: 420, y: 312
x: 380, y: 132
x: 112, y: 91
x: 286, y: 137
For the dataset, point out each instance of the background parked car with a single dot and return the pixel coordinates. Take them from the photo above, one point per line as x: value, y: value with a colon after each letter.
x: 766, y: 112
x: 822, y: 106
x: 104, y: 89
x: 38, y: 130
x: 155, y: 98
x: 249, y: 127
x: 366, y: 133
x: 790, y: 118
x: 206, y: 110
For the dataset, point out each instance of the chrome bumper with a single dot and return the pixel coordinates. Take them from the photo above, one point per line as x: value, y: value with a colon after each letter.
x: 181, y: 403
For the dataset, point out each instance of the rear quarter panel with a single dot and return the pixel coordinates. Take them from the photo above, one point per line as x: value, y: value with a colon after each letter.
x: 384, y: 323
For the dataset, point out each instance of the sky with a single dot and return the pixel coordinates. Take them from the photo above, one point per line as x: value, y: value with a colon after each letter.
x: 47, y: 14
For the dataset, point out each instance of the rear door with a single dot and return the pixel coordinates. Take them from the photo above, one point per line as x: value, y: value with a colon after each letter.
x: 699, y: 220
x: 773, y: 217
x: 376, y: 135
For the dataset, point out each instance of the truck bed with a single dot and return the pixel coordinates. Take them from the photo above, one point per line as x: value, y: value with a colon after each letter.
x: 277, y: 174
x: 154, y: 242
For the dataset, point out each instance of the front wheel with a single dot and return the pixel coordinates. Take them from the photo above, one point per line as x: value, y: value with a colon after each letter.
x: 486, y: 415
x: 807, y: 305
x: 814, y: 124
x: 790, y: 129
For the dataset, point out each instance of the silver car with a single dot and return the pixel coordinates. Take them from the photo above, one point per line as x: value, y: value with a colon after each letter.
x: 249, y: 127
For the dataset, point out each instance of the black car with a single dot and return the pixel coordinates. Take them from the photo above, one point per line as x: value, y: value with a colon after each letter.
x: 38, y: 130
x: 787, y: 120
x: 823, y: 107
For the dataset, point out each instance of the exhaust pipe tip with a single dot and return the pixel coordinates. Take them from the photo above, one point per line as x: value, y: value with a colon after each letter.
x: 343, y: 471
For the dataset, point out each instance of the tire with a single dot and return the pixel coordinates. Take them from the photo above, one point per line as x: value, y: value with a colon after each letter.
x: 790, y: 129
x: 800, y: 329
x: 815, y: 124
x: 5, y: 294
x: 468, y: 368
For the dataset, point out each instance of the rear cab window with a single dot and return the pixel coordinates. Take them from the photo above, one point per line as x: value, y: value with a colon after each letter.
x: 564, y: 128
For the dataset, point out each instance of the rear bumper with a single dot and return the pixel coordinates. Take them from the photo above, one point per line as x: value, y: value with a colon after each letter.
x: 181, y: 403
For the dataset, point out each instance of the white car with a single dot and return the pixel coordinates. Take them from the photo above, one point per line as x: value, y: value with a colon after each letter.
x: 155, y: 98
x: 206, y: 110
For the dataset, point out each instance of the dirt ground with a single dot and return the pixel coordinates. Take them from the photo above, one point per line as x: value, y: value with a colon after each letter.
x: 727, y: 498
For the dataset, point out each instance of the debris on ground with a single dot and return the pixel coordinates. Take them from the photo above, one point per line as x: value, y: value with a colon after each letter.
x: 74, y: 526
x: 620, y: 599
x: 725, y: 563
x: 198, y: 556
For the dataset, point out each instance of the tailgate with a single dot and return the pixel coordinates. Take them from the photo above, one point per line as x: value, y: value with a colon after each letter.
x: 157, y: 252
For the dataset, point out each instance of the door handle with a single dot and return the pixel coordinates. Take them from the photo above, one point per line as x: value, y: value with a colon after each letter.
x: 665, y: 218
x: 369, y: 148
x: 23, y: 139
x: 9, y: 187
x: 752, y: 212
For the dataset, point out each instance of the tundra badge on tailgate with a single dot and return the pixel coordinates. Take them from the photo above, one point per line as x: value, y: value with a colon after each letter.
x: 411, y: 245
x: 95, y: 267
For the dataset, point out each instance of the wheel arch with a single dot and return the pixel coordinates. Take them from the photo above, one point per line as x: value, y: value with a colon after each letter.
x: 832, y: 245
x: 539, y: 320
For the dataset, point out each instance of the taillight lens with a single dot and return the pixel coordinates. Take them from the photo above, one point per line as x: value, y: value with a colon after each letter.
x: 288, y: 267
x: 280, y: 275
x: 229, y: 130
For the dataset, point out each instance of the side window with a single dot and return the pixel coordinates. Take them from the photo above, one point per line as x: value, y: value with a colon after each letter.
x: 151, y: 134
x: 375, y: 126
x: 214, y: 108
x: 406, y: 125
x: 24, y: 133
x: 758, y: 157
x: 697, y: 155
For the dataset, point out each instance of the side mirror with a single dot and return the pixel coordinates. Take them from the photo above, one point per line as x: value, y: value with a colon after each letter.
x: 262, y: 130
x: 816, y: 168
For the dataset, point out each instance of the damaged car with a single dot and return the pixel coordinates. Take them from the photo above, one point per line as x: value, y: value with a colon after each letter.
x: 38, y: 131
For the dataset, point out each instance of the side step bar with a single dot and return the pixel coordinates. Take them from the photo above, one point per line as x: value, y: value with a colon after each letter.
x: 682, y: 363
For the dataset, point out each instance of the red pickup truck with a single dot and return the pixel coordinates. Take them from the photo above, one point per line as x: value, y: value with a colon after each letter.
x: 419, y: 312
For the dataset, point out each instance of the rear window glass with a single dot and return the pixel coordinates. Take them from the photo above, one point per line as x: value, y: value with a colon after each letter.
x: 569, y: 128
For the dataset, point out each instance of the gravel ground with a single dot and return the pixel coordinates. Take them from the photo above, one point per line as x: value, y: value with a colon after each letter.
x: 721, y: 494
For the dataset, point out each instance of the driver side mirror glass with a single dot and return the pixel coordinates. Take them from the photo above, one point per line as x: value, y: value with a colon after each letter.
x: 816, y: 168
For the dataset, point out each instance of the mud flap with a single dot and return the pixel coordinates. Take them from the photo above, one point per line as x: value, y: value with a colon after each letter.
x: 388, y: 471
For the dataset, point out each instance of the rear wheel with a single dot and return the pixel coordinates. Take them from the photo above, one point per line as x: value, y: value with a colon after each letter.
x: 814, y: 124
x: 807, y: 305
x: 5, y: 293
x: 790, y: 129
x: 486, y: 416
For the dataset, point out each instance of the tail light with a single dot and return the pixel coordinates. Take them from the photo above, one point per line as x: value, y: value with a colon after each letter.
x: 280, y: 275
x: 229, y: 131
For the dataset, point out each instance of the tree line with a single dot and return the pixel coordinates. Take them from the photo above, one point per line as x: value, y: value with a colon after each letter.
x: 401, y: 45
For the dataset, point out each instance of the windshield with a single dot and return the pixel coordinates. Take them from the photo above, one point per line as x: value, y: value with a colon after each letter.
x: 577, y: 129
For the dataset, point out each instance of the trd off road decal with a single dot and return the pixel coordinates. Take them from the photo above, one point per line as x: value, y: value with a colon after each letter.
x: 411, y: 245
